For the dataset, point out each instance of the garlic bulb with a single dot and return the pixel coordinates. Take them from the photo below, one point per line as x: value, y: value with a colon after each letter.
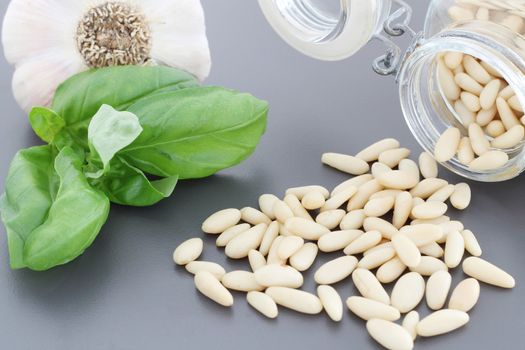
x: 48, y: 41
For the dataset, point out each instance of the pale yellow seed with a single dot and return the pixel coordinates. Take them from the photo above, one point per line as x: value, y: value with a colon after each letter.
x: 447, y: 145
x: 345, y: 163
x: 313, y: 200
x: 372, y: 152
x: 479, y: 142
x: 489, y: 94
x: 515, y: 104
x: 467, y: 83
x: 495, y: 128
x: 465, y: 152
x: 428, y: 165
x: 507, y: 116
x: 490, y: 161
x: 476, y: 70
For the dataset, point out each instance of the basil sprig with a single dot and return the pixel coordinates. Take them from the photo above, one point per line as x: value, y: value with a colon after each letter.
x: 124, y: 135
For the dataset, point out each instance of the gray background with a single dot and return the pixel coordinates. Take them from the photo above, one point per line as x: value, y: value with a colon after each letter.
x: 125, y: 293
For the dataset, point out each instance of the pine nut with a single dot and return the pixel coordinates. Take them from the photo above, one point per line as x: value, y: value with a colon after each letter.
x: 427, y: 165
x: 428, y: 187
x: 379, y: 168
x: 332, y: 303
x: 266, y: 202
x: 363, y: 193
x: 282, y: 211
x: 305, y: 228
x: 478, y: 141
x: 490, y: 94
x: 422, y: 234
x: 305, y: 257
x: 467, y: 83
x: 470, y: 101
x: 368, y: 309
x: 379, y: 206
x: 488, y: 273
x: 330, y: 218
x: 377, y: 224
x: 392, y: 157
x: 365, y: 241
x: 515, y: 104
x: 441, y: 322
x: 280, y: 276
x: 438, y: 286
x: 353, y: 182
x: 313, y: 200
x: 215, y: 269
x: 471, y: 243
x: 510, y: 139
x: 353, y: 220
x: 335, y: 270
x: 289, y: 246
x: 443, y: 194
x: 256, y: 260
x: 465, y: 152
x: 268, y: 238
x: 447, y: 82
x: 408, y: 292
x: 410, y: 323
x: 369, y: 287
x: 465, y: 295
x: 296, y: 300
x: 495, y: 128
x: 429, y: 265
x: 447, y: 145
x: 453, y: 59
x: 300, y: 192
x: 460, y: 199
x: 409, y: 166
x: 390, y: 335
x: 336, y: 201
x: 337, y: 240
x: 240, y: 245
x: 221, y: 221
x: 296, y: 207
x: 402, y: 209
x: 262, y: 303
x: 390, y: 271
x: 476, y: 70
x: 242, y: 281
x: 507, y: 116
x: 348, y: 164
x: 489, y: 161
x: 433, y: 250
x: 429, y: 210
x: 372, y: 152
x: 210, y: 286
x: 406, y: 250
x: 254, y: 216
x: 188, y: 251
x: 398, y: 179
x: 485, y: 116
x: 377, y: 258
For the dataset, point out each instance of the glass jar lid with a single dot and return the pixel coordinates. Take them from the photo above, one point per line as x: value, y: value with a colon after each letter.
x: 326, y: 29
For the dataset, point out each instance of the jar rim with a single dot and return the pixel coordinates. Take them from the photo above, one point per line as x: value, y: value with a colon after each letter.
x: 482, y: 44
x: 302, y: 25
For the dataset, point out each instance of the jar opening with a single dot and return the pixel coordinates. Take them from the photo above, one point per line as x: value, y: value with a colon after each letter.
x: 429, y: 112
x: 314, y: 20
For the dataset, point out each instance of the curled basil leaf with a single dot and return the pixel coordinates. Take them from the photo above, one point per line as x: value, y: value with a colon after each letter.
x: 30, y: 189
x: 46, y: 123
x: 110, y: 131
x: 195, y: 132
x: 80, y: 97
x: 124, y: 184
x: 51, y: 212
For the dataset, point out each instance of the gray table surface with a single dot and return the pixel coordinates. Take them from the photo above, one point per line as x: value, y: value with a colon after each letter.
x: 125, y: 293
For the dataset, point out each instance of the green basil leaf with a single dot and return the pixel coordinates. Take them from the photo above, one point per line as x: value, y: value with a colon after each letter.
x: 195, y: 132
x: 46, y: 123
x: 30, y: 189
x: 124, y: 184
x: 80, y: 97
x: 109, y: 132
x: 51, y: 212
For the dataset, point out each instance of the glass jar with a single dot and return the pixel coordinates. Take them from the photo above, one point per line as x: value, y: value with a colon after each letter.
x: 485, y: 33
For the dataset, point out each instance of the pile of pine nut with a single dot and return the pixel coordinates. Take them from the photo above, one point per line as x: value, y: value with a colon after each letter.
x: 385, y: 219
x: 482, y: 100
